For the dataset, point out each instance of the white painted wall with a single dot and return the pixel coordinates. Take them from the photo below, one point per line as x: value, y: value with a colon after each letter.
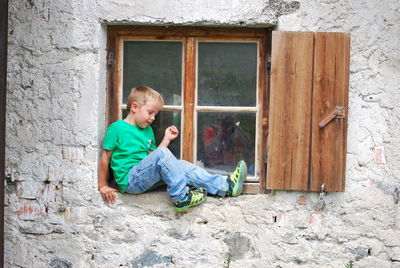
x: 55, y: 124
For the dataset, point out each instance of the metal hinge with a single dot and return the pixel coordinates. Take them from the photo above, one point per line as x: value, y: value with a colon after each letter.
x: 265, y: 158
x: 8, y: 178
x: 320, y: 204
x: 268, y: 64
x: 110, y: 60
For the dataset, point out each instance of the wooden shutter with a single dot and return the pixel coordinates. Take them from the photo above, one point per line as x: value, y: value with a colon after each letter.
x: 309, y: 86
x: 290, y: 110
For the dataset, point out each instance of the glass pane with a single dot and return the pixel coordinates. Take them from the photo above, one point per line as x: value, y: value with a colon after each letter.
x: 225, y: 138
x: 227, y: 74
x: 163, y: 120
x: 156, y: 64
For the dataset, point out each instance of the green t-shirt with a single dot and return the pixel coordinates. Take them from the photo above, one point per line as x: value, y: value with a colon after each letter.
x: 129, y: 145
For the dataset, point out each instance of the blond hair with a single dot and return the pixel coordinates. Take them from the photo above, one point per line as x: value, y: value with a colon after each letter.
x: 142, y: 95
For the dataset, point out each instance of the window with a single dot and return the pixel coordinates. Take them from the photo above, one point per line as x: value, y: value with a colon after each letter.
x: 216, y: 86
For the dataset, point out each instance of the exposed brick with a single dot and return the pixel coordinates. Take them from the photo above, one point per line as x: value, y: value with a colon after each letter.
x: 53, y: 174
x: 72, y: 153
x: 379, y: 156
x: 30, y: 211
x: 301, y: 201
x: 310, y: 219
x: 75, y: 214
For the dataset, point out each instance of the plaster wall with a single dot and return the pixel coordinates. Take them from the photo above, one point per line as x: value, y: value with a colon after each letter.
x: 54, y: 216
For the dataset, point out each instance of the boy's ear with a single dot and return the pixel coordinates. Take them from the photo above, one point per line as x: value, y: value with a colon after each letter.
x: 134, y: 106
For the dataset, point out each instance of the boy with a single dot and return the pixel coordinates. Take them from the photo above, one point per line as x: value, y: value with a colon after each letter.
x: 138, y: 165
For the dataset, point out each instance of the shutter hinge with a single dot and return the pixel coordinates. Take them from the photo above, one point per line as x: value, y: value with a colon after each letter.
x: 8, y: 178
x: 268, y: 65
x: 110, y: 60
x: 265, y: 159
x: 320, y: 204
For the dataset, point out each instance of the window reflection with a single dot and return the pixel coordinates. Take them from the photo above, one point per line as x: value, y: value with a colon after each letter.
x: 227, y: 74
x: 224, y: 139
x: 157, y: 64
x: 163, y: 120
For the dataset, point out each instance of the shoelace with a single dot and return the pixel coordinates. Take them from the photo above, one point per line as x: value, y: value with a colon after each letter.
x: 235, y: 175
x: 196, y: 197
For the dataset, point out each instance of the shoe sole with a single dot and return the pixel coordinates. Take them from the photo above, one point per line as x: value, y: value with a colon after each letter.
x: 183, y: 209
x: 243, y: 174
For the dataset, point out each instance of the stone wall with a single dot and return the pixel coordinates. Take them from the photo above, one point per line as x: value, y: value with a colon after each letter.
x: 54, y: 216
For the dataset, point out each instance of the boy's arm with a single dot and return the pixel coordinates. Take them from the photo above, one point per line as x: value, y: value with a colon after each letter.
x: 170, y: 134
x: 107, y: 192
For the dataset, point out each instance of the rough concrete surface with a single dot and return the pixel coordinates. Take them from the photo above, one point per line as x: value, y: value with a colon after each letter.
x: 54, y: 216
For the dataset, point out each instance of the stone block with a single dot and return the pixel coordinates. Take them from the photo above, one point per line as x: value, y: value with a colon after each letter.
x: 28, y: 189
x: 60, y: 263
x: 51, y: 193
x: 35, y: 228
x: 150, y: 258
x: 394, y: 253
x: 391, y: 238
x: 56, y: 218
x: 240, y: 246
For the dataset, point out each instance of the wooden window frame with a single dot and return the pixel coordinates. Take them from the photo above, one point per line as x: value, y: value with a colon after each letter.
x: 189, y: 36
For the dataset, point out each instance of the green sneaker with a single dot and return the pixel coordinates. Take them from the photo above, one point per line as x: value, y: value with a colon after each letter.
x: 195, y: 197
x: 236, y: 179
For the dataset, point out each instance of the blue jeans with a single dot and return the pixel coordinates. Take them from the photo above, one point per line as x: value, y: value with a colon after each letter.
x: 162, y: 166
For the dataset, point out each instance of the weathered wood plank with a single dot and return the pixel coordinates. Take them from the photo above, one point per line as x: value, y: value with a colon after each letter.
x: 118, y: 79
x: 252, y: 188
x: 112, y: 94
x: 264, y: 86
x: 184, y: 31
x: 331, y: 83
x: 189, y: 98
x: 290, y: 110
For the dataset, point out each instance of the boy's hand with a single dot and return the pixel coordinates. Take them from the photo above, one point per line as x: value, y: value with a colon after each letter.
x: 171, y: 133
x: 108, y: 194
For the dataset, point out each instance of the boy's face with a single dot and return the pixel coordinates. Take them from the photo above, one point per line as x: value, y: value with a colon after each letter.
x: 145, y: 114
